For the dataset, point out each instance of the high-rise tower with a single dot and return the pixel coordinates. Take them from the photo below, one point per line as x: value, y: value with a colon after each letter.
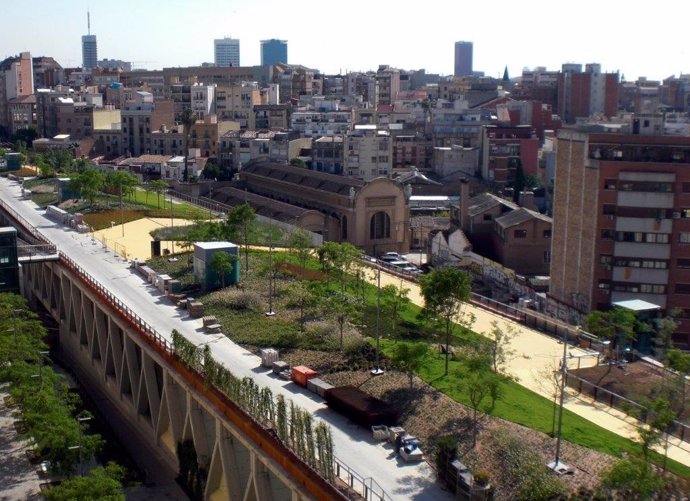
x: 226, y: 51
x: 274, y: 51
x: 89, y: 47
x: 463, y: 59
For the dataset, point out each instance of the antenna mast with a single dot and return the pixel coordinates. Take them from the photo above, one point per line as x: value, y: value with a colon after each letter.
x: 88, y: 20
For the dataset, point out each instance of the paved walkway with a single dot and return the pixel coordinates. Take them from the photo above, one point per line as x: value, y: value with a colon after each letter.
x: 18, y: 478
x: 537, y: 354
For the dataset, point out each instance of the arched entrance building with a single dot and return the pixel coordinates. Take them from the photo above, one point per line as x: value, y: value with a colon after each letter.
x: 374, y: 215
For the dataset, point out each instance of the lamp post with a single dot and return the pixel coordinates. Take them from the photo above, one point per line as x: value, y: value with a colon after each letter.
x: 80, y: 420
x: 270, y: 312
x: 377, y: 371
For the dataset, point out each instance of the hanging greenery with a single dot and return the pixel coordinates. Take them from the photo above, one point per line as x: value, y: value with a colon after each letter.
x: 281, y: 419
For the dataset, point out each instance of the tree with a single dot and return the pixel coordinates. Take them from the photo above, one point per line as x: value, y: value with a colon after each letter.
x: 631, y: 478
x: 393, y: 301
x: 616, y: 326
x: 121, y: 182
x: 444, y: 291
x: 300, y: 247
x: 499, y: 345
x: 480, y: 383
x: 410, y: 357
x: 298, y: 162
x: 188, y: 119
x: 89, y: 183
x: 238, y: 217
x: 159, y: 186
x: 102, y: 483
x: 665, y: 328
x: 222, y: 263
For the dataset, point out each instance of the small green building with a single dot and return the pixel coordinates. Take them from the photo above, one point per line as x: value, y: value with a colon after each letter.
x: 203, y: 254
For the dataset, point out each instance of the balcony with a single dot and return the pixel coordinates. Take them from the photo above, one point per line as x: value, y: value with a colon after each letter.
x: 640, y: 275
x: 645, y: 225
x: 658, y: 299
x: 642, y: 250
x: 645, y: 199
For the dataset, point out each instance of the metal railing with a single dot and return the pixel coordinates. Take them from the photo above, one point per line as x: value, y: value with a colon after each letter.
x: 27, y: 253
x: 365, y: 488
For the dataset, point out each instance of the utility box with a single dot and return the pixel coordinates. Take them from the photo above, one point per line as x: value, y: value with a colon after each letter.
x: 204, y: 272
x: 14, y: 161
x: 301, y: 374
x: 268, y: 356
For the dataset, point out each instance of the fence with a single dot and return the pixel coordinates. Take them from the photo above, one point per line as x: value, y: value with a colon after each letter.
x: 630, y: 407
x: 40, y: 250
x: 364, y: 488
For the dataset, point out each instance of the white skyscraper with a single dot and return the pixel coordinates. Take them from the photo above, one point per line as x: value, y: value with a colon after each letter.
x: 226, y: 51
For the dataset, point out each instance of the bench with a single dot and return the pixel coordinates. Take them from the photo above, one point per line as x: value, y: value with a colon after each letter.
x: 213, y: 328
x: 209, y: 319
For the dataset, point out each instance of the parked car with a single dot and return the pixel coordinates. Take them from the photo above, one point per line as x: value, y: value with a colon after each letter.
x: 389, y: 255
x: 399, y: 263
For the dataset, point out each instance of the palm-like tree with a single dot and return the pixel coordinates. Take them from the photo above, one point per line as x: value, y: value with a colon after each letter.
x: 187, y: 120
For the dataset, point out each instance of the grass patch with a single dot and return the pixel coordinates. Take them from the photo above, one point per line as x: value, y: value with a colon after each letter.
x: 523, y: 406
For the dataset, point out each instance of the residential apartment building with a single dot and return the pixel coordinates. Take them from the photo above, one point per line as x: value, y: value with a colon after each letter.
x: 140, y: 117
x: 368, y: 153
x: 327, y: 154
x: 505, y: 149
x: 622, y: 223
x: 387, y: 85
x: 272, y: 116
x: 321, y: 123
x: 586, y: 93
x: 237, y: 103
x: 203, y: 101
x: 226, y: 52
x: 238, y: 148
x: 16, y: 80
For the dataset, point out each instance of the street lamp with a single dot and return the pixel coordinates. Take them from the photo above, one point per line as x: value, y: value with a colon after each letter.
x: 377, y: 371
x: 270, y: 312
x: 80, y: 420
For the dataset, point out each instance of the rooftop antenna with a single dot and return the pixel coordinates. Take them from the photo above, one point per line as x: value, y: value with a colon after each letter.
x: 88, y: 20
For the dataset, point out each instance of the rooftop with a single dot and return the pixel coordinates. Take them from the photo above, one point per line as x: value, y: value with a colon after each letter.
x: 486, y: 201
x: 520, y: 216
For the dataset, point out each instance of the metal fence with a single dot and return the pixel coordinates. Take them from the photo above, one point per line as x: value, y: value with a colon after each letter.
x: 358, y: 486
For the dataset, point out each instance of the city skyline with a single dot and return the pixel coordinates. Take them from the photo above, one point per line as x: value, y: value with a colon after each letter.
x: 150, y: 36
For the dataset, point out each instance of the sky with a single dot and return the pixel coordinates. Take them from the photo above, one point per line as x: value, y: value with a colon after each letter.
x: 633, y: 38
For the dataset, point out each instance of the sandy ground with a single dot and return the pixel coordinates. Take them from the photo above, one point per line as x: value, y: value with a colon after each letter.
x: 534, y: 353
x: 136, y: 242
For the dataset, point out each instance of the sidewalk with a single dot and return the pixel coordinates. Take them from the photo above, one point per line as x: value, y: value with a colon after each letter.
x: 536, y: 353
x: 18, y: 478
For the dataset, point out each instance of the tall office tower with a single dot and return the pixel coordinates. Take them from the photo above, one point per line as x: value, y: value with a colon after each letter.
x: 463, y: 59
x: 89, y: 47
x: 273, y: 51
x: 226, y: 51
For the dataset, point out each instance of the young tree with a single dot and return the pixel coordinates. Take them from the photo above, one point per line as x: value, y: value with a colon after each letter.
x: 664, y: 330
x: 241, y: 217
x: 187, y: 120
x: 120, y: 181
x: 222, y: 263
x: 616, y: 326
x: 444, y: 291
x: 394, y: 300
x: 499, y: 345
x: 159, y: 186
x: 300, y: 247
x: 411, y: 357
x: 480, y: 383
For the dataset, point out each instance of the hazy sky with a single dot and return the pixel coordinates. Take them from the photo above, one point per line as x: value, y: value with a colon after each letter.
x: 638, y: 39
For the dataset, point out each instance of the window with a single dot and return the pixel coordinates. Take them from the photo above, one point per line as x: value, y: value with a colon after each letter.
x: 547, y: 234
x: 683, y: 263
x: 520, y: 233
x: 682, y: 289
x: 685, y: 187
x: 487, y: 217
x: 607, y: 234
x: 380, y: 226
x: 653, y: 289
x: 609, y: 184
x: 609, y: 209
x: 547, y: 256
x: 684, y: 237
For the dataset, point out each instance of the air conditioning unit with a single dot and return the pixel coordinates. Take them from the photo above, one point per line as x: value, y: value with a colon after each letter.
x: 676, y: 215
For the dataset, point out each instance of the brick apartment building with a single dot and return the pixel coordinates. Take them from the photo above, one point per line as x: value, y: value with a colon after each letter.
x: 622, y: 223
